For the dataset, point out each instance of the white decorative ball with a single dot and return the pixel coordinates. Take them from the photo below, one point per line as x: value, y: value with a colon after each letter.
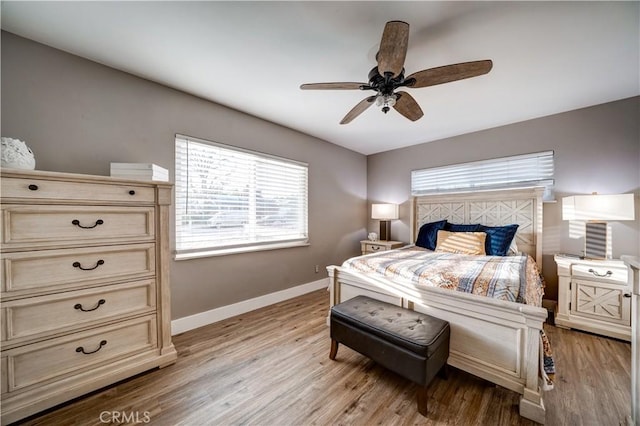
x: 17, y: 155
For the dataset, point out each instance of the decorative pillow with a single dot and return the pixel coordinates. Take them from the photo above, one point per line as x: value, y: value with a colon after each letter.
x: 513, y: 249
x: 428, y: 234
x: 499, y: 238
x: 461, y: 242
x: 454, y: 227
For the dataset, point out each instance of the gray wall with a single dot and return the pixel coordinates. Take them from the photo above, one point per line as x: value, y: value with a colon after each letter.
x: 78, y: 116
x: 597, y: 149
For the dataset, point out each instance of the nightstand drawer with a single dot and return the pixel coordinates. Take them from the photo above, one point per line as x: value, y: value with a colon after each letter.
x: 42, y: 316
x: 56, y: 358
x: 368, y: 246
x: 372, y: 248
x: 24, y: 226
x: 604, y: 273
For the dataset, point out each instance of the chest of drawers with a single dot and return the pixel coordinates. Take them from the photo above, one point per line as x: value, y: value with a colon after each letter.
x: 84, y: 285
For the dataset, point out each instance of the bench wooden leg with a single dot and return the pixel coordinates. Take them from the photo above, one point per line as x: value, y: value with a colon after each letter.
x: 422, y: 398
x: 334, y: 349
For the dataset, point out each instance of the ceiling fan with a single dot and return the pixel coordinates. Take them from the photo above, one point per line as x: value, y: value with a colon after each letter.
x: 388, y: 76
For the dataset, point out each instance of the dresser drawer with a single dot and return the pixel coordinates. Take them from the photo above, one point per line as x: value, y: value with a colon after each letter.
x: 604, y: 273
x: 54, y: 359
x: 33, y: 272
x: 56, y: 225
x: 42, y: 316
x: 94, y: 193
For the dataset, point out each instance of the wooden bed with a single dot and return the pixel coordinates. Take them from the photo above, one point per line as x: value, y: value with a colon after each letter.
x: 496, y: 340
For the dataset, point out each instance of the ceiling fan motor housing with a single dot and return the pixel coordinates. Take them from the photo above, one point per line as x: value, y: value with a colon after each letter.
x: 385, y: 85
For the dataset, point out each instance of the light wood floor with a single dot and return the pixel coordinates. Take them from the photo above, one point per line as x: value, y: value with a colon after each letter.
x: 271, y: 367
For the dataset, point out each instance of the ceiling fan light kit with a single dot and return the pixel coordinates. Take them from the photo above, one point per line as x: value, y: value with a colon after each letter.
x: 386, y: 101
x: 388, y: 76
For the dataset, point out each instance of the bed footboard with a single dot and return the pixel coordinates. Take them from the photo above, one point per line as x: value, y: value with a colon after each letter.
x: 496, y: 340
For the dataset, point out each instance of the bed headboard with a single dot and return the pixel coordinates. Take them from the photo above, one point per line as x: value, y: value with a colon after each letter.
x: 491, y: 208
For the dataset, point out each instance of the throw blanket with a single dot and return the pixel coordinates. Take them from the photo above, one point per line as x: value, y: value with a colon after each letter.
x: 510, y: 278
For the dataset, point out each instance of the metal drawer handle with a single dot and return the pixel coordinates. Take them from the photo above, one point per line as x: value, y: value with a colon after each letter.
x: 627, y: 295
x: 81, y: 349
x: 79, y: 306
x: 76, y: 222
x: 132, y: 192
x: 600, y: 275
x: 375, y: 247
x: 33, y: 187
x: 78, y: 265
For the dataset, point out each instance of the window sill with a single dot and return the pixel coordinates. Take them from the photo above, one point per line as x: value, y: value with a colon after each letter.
x: 238, y: 250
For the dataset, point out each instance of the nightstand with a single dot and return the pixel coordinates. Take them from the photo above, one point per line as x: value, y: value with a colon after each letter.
x: 368, y: 246
x: 594, y: 296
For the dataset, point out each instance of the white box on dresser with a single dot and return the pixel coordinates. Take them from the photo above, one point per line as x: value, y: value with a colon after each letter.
x: 85, y: 295
x: 139, y: 171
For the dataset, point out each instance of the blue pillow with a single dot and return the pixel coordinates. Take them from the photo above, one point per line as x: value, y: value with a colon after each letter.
x: 428, y: 234
x: 454, y: 227
x: 498, y: 239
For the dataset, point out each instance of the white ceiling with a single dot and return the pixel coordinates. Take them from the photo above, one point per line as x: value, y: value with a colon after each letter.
x: 252, y: 56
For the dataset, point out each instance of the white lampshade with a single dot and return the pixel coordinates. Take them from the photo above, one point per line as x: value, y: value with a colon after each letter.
x: 598, y: 207
x: 384, y: 211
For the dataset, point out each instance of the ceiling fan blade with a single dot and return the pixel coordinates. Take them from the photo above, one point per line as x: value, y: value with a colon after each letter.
x: 332, y: 86
x: 393, y: 48
x: 407, y: 106
x: 448, y: 73
x: 358, y: 109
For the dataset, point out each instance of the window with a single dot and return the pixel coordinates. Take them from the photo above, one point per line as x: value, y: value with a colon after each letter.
x: 507, y: 172
x: 231, y: 200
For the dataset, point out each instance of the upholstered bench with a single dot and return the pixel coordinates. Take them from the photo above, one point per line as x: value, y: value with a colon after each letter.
x: 411, y: 344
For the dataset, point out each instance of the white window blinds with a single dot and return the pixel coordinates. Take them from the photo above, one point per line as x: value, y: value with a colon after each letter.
x: 507, y: 172
x: 231, y: 199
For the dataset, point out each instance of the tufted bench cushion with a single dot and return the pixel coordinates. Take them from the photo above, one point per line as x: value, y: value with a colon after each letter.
x: 409, y: 343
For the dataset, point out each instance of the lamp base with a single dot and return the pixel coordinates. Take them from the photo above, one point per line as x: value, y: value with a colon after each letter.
x: 595, y: 240
x: 385, y: 230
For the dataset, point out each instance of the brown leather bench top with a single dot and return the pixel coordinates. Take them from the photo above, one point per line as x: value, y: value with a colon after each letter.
x: 417, y: 332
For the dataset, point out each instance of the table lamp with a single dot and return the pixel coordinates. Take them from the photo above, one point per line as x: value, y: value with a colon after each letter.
x: 596, y: 210
x: 385, y: 213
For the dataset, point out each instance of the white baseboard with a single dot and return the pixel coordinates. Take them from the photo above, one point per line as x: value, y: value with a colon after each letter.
x: 183, y: 324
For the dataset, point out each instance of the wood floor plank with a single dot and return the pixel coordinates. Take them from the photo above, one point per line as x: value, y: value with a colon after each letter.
x: 272, y: 367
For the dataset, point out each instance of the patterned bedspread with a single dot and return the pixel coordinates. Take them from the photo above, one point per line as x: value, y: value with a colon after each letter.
x: 510, y: 278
